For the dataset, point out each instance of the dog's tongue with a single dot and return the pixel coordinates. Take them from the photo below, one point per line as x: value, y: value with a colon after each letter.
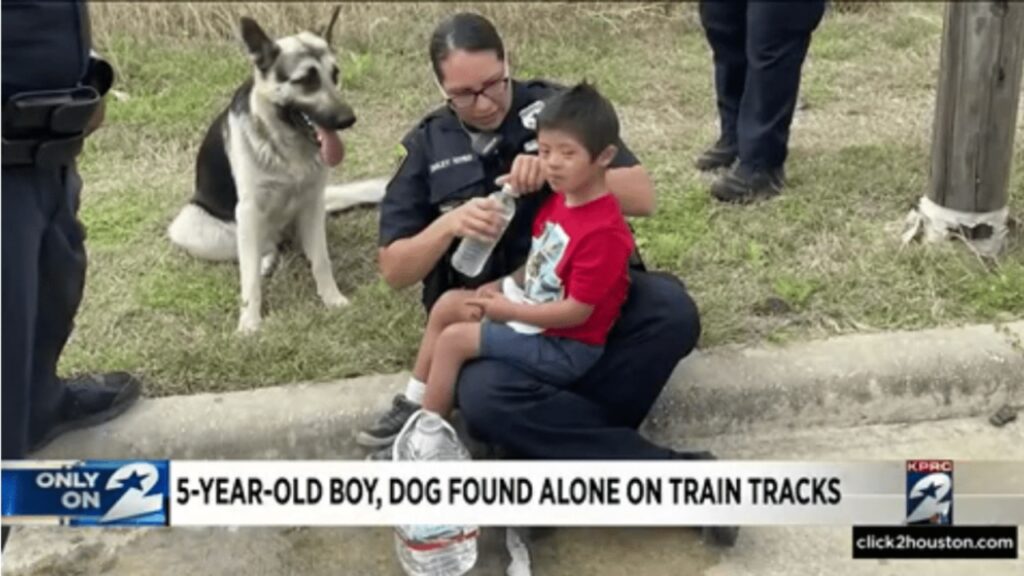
x: 332, y: 151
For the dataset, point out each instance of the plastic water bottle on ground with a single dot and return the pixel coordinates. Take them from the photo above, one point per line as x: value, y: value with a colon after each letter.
x: 436, y: 549
x: 472, y: 253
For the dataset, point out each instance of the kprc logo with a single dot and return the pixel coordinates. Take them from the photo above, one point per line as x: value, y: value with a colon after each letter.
x: 930, y: 492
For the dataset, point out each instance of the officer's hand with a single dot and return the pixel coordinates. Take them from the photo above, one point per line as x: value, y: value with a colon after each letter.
x: 479, y: 218
x: 526, y: 175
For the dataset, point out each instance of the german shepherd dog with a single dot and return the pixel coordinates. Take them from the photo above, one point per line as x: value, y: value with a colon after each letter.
x: 261, y: 171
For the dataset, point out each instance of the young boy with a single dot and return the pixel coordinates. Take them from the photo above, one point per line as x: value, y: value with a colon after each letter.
x: 573, y: 284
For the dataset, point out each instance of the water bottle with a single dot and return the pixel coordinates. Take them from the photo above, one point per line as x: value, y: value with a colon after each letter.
x: 436, y: 549
x: 472, y: 254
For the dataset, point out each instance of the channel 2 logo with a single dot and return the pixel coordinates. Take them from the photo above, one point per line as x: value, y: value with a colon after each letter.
x: 930, y: 492
x: 135, y: 482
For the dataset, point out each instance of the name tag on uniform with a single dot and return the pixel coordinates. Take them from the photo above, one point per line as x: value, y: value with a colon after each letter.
x: 440, y: 165
x: 448, y: 162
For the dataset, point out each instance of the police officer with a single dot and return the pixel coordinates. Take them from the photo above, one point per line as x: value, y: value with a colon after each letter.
x: 455, y: 157
x: 759, y: 49
x: 52, y: 97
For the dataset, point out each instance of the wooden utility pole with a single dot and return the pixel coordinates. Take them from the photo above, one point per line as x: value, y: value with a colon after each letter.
x: 975, y: 121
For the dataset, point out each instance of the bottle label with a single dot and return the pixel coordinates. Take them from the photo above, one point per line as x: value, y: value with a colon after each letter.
x: 432, y: 537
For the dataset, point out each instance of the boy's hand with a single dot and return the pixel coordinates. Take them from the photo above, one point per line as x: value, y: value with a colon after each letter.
x: 525, y: 176
x: 496, y: 307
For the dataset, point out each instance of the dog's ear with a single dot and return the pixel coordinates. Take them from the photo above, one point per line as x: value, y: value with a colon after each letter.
x: 262, y: 49
x: 328, y: 30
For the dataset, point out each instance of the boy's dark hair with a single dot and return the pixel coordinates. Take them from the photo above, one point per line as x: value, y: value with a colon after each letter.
x: 464, y: 31
x: 584, y: 113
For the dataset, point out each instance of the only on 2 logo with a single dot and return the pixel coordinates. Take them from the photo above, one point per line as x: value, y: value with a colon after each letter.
x: 930, y: 492
x: 87, y: 492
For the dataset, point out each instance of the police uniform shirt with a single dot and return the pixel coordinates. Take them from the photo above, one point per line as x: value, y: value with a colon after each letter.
x: 441, y: 171
x: 45, y: 45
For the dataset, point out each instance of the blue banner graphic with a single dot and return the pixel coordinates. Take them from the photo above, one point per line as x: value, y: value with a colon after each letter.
x: 88, y: 492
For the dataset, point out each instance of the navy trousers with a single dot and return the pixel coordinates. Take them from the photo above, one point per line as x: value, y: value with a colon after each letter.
x: 596, y: 419
x: 759, y: 49
x: 43, y: 278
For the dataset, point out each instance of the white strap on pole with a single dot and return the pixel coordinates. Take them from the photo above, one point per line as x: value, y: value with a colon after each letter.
x: 940, y: 223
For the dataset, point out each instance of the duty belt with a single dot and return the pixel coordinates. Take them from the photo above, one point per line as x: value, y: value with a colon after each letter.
x: 46, y: 128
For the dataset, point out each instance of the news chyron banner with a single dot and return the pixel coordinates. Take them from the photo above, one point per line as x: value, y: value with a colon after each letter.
x: 917, y: 508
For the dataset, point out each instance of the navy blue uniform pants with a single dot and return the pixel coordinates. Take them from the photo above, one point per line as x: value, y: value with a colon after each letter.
x: 597, y: 418
x: 43, y: 278
x: 759, y: 49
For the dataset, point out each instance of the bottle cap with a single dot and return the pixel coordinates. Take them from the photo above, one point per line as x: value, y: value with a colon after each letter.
x: 429, y: 422
x: 507, y: 188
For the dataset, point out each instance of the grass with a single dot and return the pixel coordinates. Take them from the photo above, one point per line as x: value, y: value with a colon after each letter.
x: 828, y: 249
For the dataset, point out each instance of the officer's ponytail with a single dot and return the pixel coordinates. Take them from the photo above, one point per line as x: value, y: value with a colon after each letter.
x: 464, y: 31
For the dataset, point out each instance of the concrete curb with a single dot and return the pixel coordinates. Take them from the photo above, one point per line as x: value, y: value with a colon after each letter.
x: 843, y: 381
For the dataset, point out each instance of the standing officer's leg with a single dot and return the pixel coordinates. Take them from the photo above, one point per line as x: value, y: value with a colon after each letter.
x: 61, y: 282
x: 725, y: 25
x: 22, y: 228
x: 59, y: 406
x: 778, y: 36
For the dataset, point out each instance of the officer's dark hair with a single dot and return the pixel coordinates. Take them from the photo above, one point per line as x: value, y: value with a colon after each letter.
x: 583, y: 113
x: 464, y: 31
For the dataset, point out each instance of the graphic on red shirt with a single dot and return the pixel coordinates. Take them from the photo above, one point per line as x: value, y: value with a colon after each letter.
x: 542, y: 282
x: 581, y: 252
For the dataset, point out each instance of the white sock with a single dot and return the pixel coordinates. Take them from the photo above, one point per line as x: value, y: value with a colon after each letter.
x: 415, y: 390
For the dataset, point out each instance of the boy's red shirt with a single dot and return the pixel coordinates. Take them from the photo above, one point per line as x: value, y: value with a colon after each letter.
x: 581, y: 252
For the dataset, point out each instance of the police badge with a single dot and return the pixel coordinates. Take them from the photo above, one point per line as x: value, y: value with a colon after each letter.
x: 528, y: 115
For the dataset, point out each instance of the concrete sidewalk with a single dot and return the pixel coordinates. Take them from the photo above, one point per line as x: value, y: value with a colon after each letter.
x: 845, y: 381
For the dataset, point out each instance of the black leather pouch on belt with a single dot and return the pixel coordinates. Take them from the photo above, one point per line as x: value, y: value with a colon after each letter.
x: 46, y: 128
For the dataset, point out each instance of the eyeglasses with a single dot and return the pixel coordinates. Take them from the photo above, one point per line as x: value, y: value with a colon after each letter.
x: 493, y: 90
